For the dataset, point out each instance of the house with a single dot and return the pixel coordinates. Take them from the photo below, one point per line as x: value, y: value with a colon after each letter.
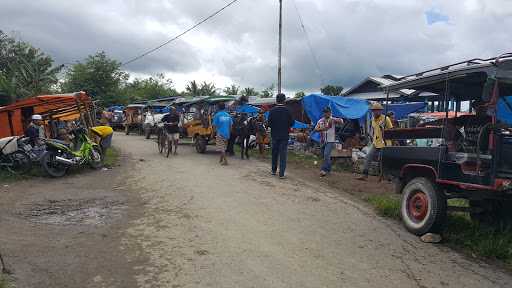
x: 371, y: 89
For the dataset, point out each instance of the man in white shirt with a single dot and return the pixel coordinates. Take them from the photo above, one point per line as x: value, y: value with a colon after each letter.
x: 327, y: 128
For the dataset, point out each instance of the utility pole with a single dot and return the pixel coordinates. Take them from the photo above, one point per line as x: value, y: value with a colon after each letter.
x: 279, y: 77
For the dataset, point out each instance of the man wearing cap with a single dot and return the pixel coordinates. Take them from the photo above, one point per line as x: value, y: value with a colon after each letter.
x: 327, y: 128
x: 35, y: 130
x: 379, y: 123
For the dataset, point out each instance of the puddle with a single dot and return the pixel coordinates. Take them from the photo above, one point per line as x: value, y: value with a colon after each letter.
x: 73, y: 211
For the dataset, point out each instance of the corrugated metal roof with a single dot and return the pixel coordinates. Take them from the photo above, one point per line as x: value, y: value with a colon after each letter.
x: 373, y: 95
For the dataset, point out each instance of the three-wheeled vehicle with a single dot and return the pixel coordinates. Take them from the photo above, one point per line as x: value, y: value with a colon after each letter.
x: 134, y: 118
x: 197, y: 119
x: 469, y: 157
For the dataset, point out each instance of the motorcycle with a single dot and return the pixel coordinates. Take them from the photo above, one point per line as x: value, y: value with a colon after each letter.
x: 59, y: 156
x: 12, y: 158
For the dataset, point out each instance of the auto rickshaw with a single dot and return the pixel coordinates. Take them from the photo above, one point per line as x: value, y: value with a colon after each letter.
x: 197, y: 119
x: 134, y: 118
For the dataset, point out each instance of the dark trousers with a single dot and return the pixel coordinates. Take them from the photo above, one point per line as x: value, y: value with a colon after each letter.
x: 279, y: 152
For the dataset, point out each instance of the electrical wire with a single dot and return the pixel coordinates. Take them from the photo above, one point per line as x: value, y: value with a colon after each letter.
x: 180, y: 35
x: 310, y: 46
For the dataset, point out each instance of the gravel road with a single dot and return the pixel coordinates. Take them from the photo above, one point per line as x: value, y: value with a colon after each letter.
x: 205, y: 225
x: 186, y: 221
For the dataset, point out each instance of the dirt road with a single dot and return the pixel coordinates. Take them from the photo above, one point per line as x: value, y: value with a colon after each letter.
x: 188, y: 222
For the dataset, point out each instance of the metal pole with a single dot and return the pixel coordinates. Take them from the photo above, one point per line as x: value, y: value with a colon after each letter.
x: 279, y: 77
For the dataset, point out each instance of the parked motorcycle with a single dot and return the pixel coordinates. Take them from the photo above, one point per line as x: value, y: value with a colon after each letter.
x: 12, y: 158
x: 59, y: 156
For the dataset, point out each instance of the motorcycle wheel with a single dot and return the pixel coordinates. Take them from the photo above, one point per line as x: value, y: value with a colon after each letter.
x: 20, y: 162
x: 51, y: 166
x: 96, y: 157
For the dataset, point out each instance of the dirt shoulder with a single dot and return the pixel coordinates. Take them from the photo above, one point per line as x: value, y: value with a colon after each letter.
x: 67, y: 232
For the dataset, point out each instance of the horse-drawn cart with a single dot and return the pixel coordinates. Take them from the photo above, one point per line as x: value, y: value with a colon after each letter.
x: 197, y: 119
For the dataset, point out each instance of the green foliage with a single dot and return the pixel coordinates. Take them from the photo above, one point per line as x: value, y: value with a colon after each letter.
x: 480, y: 240
x: 203, y: 89
x: 25, y: 71
x: 3, y: 282
x: 268, y: 92
x: 300, y: 95
x: 460, y: 232
x: 232, y: 90
x: 332, y: 90
x: 100, y: 76
x: 249, y: 91
x: 386, y: 205
x: 111, y: 157
x: 150, y: 88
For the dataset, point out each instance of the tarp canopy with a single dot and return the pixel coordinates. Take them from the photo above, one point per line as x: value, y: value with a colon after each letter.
x: 341, y: 107
x: 63, y: 107
x: 248, y: 109
x: 300, y: 125
x: 504, y: 110
x: 402, y: 110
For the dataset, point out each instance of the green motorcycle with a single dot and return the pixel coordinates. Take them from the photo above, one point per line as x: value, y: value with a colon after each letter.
x: 59, y: 157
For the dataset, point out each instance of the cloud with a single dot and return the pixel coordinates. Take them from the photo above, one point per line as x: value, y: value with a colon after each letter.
x: 351, y: 39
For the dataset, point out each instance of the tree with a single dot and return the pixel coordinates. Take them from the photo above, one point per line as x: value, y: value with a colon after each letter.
x: 100, y: 76
x: 232, y: 90
x: 300, y: 95
x: 268, y: 92
x: 25, y: 71
x: 150, y: 88
x: 208, y: 89
x: 192, y: 89
x: 332, y: 90
x: 249, y: 91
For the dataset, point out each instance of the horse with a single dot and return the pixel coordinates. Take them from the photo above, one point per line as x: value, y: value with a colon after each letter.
x: 243, y: 128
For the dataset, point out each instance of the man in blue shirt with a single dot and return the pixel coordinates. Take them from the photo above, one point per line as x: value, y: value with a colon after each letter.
x: 222, y: 123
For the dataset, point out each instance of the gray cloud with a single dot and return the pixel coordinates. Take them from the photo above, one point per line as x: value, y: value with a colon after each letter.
x: 351, y: 39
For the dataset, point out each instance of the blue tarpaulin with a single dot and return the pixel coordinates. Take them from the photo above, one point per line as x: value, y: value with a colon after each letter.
x: 249, y: 109
x: 402, y: 110
x: 300, y: 125
x: 341, y: 107
x: 504, y: 110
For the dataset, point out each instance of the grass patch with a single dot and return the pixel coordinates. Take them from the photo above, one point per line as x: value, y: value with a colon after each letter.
x: 460, y: 233
x: 386, y: 206
x: 3, y: 282
x: 482, y: 241
x: 7, y: 177
x: 111, y: 158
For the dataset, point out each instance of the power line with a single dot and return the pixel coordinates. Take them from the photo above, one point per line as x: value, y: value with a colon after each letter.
x: 179, y: 35
x: 310, y: 46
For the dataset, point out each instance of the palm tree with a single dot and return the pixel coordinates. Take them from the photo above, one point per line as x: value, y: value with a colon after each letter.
x: 192, y: 89
x: 36, y: 76
x: 249, y: 91
x: 208, y: 89
x: 232, y: 90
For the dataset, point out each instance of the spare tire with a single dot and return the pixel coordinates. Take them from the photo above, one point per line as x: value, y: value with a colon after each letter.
x: 423, y: 207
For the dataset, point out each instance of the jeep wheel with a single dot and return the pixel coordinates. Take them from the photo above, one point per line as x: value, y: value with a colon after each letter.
x: 423, y: 207
x: 200, y: 144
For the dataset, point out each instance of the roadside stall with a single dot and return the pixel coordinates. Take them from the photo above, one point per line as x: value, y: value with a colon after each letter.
x: 55, y: 110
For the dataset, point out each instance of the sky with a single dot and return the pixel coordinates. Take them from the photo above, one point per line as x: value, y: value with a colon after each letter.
x: 350, y: 39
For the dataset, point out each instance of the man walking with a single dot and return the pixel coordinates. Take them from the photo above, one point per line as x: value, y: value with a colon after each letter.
x: 379, y: 123
x: 280, y: 121
x: 222, y: 123
x: 327, y: 128
x: 172, y: 130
